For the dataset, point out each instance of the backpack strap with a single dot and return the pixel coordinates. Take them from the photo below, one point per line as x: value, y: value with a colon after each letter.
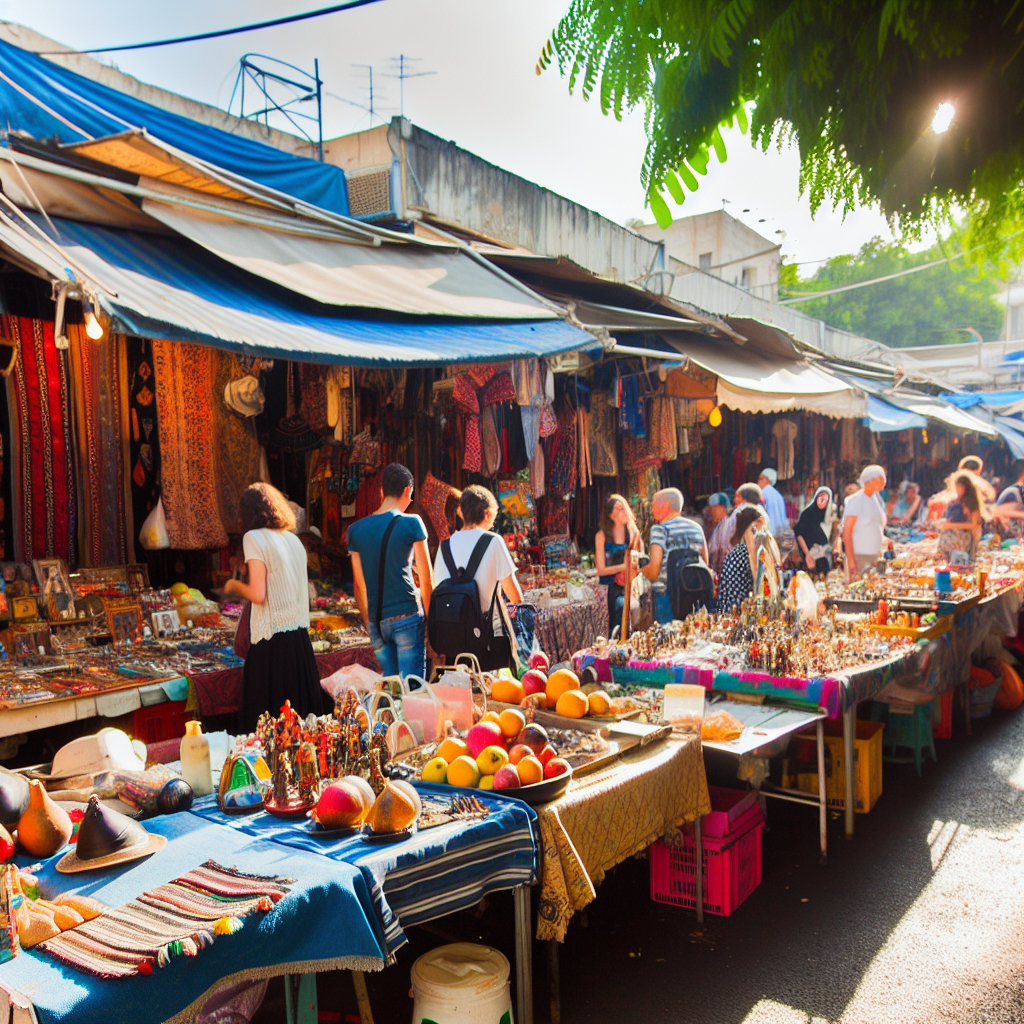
x: 382, y: 558
x: 446, y: 554
x: 478, y: 555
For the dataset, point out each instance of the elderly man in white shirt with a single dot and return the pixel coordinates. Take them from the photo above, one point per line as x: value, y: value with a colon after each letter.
x: 773, y: 500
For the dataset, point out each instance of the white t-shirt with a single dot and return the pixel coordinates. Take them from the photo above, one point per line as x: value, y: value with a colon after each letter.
x: 287, y: 604
x: 495, y: 566
x: 871, y: 519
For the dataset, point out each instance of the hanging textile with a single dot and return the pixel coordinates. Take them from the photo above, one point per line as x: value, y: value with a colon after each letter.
x: 491, y: 461
x: 585, y: 476
x: 143, y: 467
x: 313, y: 388
x: 537, y: 472
x: 662, y: 428
x: 531, y: 427
x: 45, y: 527
x: 184, y: 383
x: 562, y: 478
x: 603, y: 457
x: 101, y: 423
x: 433, y: 495
x: 472, y: 456
x: 236, y: 449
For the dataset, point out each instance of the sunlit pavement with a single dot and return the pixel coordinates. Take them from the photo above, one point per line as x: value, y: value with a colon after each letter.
x: 918, y: 920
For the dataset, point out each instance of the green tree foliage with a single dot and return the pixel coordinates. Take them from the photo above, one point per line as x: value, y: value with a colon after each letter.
x: 924, y: 308
x: 853, y: 83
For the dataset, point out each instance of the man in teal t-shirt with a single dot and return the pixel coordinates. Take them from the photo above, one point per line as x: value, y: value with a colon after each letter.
x: 398, y: 637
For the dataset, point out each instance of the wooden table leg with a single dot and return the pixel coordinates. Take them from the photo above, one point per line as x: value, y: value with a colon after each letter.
x: 362, y: 997
x: 822, y: 793
x: 554, y: 982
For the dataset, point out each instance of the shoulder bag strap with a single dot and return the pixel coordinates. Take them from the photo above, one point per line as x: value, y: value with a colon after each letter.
x: 381, y: 564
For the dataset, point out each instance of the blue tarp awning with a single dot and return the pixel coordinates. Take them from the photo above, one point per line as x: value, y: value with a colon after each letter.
x: 48, y: 101
x: 157, y: 286
x: 994, y: 399
x: 883, y: 418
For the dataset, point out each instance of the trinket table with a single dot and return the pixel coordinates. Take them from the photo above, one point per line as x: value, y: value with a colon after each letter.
x: 346, y: 911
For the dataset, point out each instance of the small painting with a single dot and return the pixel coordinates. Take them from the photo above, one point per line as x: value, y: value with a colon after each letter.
x: 166, y: 622
x: 124, y: 618
x: 25, y: 609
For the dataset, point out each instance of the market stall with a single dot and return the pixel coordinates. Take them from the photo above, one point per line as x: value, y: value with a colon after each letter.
x: 346, y: 906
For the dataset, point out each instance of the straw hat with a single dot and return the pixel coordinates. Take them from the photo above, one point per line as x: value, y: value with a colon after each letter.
x: 107, y: 750
x: 244, y: 396
x: 107, y: 837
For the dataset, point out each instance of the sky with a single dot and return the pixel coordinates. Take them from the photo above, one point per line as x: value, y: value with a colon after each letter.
x: 483, y: 94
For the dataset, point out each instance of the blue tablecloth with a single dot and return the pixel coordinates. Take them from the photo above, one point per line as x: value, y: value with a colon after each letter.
x: 325, y: 922
x: 439, y: 871
x: 346, y: 910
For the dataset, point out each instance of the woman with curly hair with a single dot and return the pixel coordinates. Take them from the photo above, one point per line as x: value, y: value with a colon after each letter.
x: 961, y: 524
x: 280, y: 664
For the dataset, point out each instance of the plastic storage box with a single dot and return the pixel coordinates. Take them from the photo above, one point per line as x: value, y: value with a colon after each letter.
x: 867, y: 756
x: 732, y: 870
x: 942, y: 716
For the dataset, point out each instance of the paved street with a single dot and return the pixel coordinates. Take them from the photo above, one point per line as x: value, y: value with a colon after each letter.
x: 917, y: 921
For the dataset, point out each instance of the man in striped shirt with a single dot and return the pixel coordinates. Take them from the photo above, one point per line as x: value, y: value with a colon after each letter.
x: 670, y: 532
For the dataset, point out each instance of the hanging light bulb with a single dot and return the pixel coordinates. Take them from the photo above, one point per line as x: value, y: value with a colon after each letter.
x: 715, y: 417
x: 93, y: 327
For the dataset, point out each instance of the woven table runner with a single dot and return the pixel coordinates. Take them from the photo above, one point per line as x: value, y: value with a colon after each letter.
x: 176, y: 919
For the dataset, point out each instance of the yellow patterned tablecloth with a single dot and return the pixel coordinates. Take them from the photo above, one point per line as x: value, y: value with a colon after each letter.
x: 611, y: 815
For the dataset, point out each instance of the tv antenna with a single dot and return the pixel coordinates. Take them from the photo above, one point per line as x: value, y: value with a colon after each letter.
x: 279, y: 88
x: 400, y: 69
x: 370, y: 107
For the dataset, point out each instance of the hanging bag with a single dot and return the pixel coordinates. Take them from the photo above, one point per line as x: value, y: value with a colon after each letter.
x: 154, y: 536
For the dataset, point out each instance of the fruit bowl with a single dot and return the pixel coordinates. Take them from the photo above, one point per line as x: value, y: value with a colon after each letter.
x: 540, y: 792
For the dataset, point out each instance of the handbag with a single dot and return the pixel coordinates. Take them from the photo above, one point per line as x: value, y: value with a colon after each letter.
x: 365, y: 450
x: 241, y: 645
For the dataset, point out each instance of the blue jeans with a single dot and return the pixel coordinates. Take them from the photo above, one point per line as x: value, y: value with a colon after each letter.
x: 401, y: 645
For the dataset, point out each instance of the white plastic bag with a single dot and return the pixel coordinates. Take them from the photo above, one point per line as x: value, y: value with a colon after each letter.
x: 803, y: 596
x: 154, y: 535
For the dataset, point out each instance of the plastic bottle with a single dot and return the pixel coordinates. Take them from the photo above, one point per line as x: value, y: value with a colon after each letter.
x: 195, y: 759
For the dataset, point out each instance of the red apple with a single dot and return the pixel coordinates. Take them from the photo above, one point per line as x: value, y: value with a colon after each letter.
x: 546, y: 753
x: 482, y: 735
x: 534, y: 681
x: 534, y: 736
x: 507, y: 777
x: 555, y: 767
x: 341, y: 805
x: 540, y: 660
x: 518, y: 752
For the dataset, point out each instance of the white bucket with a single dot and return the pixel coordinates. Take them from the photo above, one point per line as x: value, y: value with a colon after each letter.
x: 461, y: 984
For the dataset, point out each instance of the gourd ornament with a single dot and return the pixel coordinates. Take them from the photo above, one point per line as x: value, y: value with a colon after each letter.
x: 45, y: 826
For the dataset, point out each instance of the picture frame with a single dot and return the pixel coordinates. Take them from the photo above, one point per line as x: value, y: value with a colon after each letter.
x: 124, y: 618
x: 100, y: 579
x: 166, y: 622
x: 137, y: 576
x: 25, y: 609
x: 58, y: 596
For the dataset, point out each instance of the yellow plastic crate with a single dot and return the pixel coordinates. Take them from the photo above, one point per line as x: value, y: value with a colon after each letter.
x: 867, y: 756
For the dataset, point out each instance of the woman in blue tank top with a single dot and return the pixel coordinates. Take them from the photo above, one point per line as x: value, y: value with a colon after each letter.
x: 617, y: 528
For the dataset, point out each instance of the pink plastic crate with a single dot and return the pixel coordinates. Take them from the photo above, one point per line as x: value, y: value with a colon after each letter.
x: 732, y: 871
x: 732, y: 810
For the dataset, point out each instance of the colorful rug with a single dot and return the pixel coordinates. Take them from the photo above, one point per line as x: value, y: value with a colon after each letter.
x: 99, y: 423
x: 237, y: 450
x: 176, y: 919
x: 45, y: 525
x: 184, y: 383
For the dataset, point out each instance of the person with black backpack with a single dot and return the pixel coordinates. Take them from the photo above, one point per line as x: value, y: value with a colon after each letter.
x: 466, y: 613
x: 681, y: 579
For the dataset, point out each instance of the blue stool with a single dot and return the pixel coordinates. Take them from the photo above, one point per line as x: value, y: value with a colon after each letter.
x: 908, y: 726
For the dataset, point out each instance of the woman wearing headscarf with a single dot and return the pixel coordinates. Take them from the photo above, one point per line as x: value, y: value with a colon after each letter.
x: 813, y: 532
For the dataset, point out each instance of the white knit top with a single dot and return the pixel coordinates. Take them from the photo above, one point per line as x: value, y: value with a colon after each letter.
x: 287, y: 603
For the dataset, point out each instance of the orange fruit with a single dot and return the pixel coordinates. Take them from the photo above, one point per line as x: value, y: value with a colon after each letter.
x: 507, y: 691
x: 452, y: 748
x: 530, y: 771
x: 558, y: 683
x: 572, y: 704
x: 511, y: 723
x: 599, y: 703
x: 463, y: 771
x: 490, y: 716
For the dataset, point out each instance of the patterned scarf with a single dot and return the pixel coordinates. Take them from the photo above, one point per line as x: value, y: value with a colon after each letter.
x: 184, y: 382
x: 100, y: 420
x: 45, y: 520
x: 236, y: 449
x: 176, y: 919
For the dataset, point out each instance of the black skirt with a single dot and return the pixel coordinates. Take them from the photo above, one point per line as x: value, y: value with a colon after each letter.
x: 279, y: 669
